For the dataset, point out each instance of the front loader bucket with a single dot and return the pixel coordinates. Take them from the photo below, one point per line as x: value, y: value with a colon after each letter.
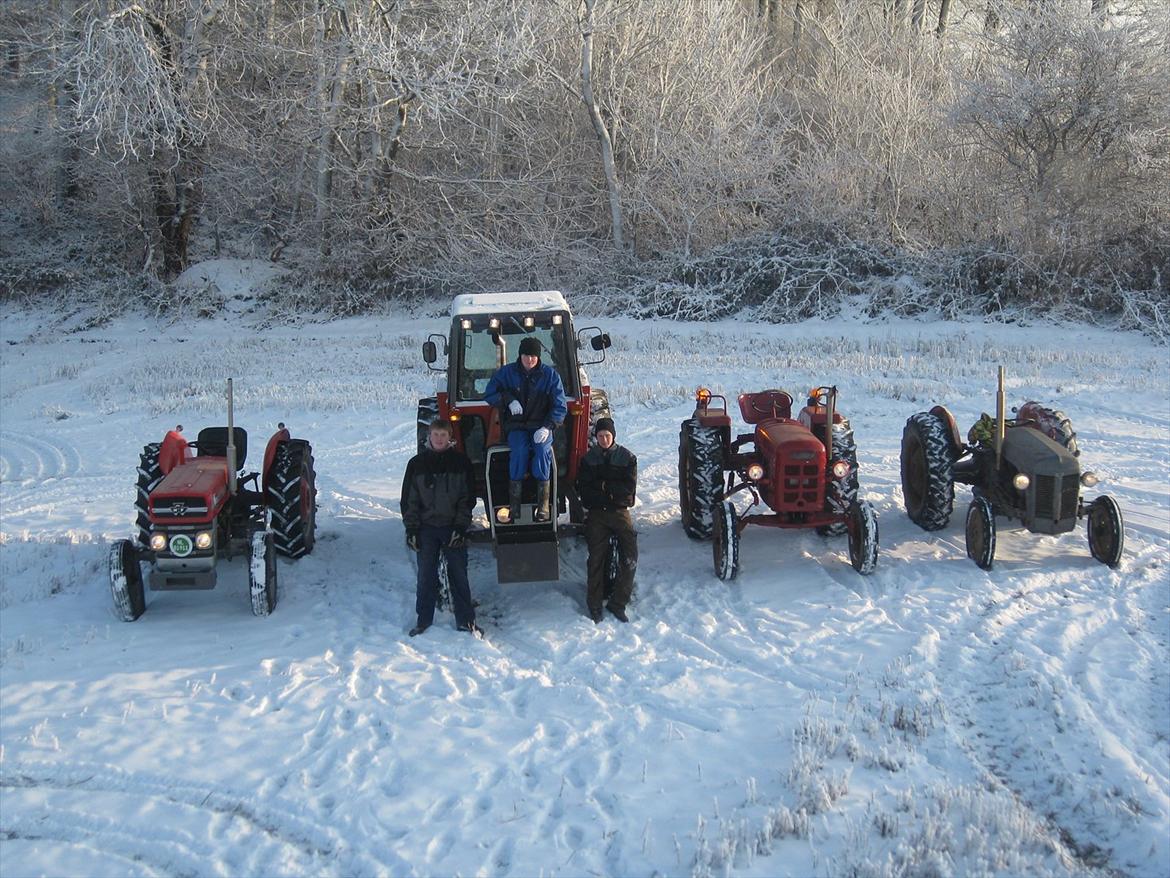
x: 526, y: 550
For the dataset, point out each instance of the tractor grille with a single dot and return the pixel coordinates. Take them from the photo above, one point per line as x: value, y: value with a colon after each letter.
x: 1046, y: 497
x: 179, y: 507
x: 800, y: 485
x: 1068, y: 496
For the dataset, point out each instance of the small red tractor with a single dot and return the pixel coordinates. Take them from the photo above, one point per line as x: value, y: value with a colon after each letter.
x: 803, y: 471
x: 486, y: 331
x: 196, y: 505
x: 1025, y: 468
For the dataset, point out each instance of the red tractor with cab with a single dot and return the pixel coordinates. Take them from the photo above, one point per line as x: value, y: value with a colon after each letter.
x: 195, y: 505
x: 485, y: 333
x: 802, y: 470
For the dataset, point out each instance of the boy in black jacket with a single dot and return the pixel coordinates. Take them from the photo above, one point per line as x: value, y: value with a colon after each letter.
x: 606, y: 484
x: 438, y: 494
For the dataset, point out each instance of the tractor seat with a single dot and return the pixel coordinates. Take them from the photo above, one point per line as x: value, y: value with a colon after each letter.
x: 212, y: 442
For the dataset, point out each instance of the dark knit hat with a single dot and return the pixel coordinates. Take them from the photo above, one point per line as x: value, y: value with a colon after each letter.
x: 605, y: 424
x: 530, y: 345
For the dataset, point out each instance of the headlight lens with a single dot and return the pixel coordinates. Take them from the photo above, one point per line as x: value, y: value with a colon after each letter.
x: 1089, y: 479
x: 503, y: 515
x: 158, y: 542
x: 1021, y: 481
x: 755, y: 472
x: 840, y: 469
x: 203, y: 540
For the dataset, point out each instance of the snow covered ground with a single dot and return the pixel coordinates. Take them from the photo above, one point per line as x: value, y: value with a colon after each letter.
x: 931, y: 719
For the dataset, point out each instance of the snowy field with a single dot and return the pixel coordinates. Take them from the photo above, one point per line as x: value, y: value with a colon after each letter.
x: 931, y: 719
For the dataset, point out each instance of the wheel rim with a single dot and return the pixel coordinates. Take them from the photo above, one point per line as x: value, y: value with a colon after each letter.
x: 1103, y: 532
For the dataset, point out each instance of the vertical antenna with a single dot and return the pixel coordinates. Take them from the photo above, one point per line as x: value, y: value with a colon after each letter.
x: 231, y: 443
x: 1000, y: 421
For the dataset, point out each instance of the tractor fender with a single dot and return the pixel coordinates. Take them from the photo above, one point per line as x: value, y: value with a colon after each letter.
x: 281, y: 435
x: 941, y: 411
x: 173, y: 451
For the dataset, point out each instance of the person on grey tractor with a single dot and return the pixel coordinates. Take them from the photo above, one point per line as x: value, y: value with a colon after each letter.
x: 531, y: 399
x: 438, y: 494
x: 606, y: 483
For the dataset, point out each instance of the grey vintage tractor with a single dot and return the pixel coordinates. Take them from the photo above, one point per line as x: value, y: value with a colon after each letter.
x: 1025, y: 468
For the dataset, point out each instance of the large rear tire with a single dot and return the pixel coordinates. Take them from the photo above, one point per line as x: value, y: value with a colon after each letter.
x: 262, y: 573
x: 981, y: 533
x: 863, y: 537
x: 149, y: 475
x: 1053, y: 423
x: 700, y: 477
x: 126, y: 581
x: 840, y: 494
x: 443, y: 596
x: 292, y: 498
x: 1106, y: 531
x: 928, y: 483
x: 725, y: 545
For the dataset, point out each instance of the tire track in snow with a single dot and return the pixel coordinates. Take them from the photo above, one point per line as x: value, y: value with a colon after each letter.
x: 28, y: 458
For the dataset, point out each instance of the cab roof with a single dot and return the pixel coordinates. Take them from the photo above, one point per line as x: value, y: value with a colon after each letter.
x: 508, y: 303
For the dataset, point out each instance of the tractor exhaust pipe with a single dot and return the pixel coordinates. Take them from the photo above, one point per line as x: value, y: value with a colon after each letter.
x: 830, y: 413
x: 231, y: 442
x: 1000, y: 421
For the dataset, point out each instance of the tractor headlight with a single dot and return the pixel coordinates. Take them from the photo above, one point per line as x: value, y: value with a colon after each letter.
x: 840, y: 469
x: 1089, y: 479
x: 1021, y: 481
x: 755, y: 472
x: 203, y: 539
x: 503, y: 515
x: 158, y: 542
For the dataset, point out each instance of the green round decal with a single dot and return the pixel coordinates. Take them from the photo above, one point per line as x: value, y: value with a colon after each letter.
x: 181, y: 545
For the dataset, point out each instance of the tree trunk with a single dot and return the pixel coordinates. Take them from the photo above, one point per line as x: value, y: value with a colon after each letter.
x: 609, y: 167
x: 797, y: 23
x: 918, y: 13
x: 944, y: 11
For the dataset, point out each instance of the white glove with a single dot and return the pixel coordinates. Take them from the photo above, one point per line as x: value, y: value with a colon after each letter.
x: 541, y: 436
x: 515, y: 408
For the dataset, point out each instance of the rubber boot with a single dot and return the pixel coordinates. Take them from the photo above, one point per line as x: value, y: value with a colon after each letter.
x: 514, y: 490
x: 541, y: 513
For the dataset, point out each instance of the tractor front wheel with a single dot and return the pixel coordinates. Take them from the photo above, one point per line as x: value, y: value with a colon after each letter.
x: 928, y: 483
x: 863, y: 537
x: 262, y: 573
x: 1106, y: 531
x: 981, y: 532
x: 725, y: 545
x: 700, y: 477
x: 126, y: 581
x: 292, y: 498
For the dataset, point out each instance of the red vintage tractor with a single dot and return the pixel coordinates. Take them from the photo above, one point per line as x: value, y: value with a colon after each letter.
x: 195, y: 505
x: 805, y: 472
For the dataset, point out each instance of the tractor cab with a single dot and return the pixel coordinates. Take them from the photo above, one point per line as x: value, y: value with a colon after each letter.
x: 485, y: 333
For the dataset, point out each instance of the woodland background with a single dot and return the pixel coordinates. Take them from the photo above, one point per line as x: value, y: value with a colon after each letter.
x: 775, y: 159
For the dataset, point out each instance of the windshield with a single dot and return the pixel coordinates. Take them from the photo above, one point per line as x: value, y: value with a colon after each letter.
x: 480, y: 356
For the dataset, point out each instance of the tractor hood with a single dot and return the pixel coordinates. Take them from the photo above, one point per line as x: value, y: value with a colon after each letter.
x: 1031, y: 452
x: 1052, y: 498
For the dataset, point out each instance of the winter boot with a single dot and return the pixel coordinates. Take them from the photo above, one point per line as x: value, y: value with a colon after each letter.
x: 541, y: 513
x: 514, y: 490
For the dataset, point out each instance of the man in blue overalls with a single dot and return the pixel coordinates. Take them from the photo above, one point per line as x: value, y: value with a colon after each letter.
x: 531, y: 399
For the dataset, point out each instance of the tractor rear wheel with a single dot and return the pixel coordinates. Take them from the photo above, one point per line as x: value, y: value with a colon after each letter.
x: 126, y: 581
x: 1106, y: 530
x: 149, y: 475
x: 292, y: 498
x: 612, y: 566
x: 928, y: 484
x: 700, y: 477
x: 1053, y: 423
x: 863, y: 537
x: 840, y: 494
x: 725, y: 545
x: 262, y: 573
x: 428, y: 410
x: 981, y: 532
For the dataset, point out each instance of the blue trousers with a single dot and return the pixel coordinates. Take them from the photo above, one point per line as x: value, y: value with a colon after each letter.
x: 523, y: 449
x: 431, y: 541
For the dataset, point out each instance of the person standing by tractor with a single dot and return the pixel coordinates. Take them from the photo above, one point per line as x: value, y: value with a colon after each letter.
x: 438, y: 494
x: 531, y: 398
x: 606, y: 483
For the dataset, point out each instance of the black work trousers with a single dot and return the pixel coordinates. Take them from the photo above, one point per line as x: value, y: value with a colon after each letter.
x: 600, y: 525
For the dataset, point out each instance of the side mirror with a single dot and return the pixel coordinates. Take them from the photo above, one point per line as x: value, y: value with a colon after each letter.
x: 430, y: 352
x: 600, y: 342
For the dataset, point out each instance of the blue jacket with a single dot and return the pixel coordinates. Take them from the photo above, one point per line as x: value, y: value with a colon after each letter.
x: 540, y: 391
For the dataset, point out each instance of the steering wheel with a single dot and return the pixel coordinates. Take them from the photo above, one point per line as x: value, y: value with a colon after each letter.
x: 758, y: 400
